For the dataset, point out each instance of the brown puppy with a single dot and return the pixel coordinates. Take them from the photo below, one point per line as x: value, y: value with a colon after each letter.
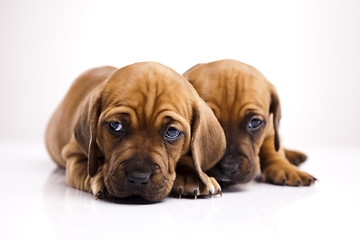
x: 248, y: 109
x: 121, y: 132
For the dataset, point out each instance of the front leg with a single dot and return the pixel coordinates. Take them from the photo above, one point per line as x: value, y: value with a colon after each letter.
x: 276, y: 168
x: 77, y: 172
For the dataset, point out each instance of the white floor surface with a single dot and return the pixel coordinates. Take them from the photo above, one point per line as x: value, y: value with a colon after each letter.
x: 36, y: 203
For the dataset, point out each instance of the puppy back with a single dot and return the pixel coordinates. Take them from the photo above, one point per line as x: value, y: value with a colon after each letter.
x: 60, y: 127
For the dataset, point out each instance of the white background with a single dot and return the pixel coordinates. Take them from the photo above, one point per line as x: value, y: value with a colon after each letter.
x: 310, y: 50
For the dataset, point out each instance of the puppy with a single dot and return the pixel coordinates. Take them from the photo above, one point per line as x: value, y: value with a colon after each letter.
x: 248, y: 108
x: 122, y: 132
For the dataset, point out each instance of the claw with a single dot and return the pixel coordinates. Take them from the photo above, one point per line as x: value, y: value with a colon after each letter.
x: 310, y: 181
x: 220, y: 194
x: 180, y: 192
x: 211, y: 194
x: 98, y: 195
x: 195, y: 193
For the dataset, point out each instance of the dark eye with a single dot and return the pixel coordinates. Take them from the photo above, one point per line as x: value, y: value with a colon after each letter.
x: 255, y: 123
x: 172, y: 134
x: 116, y: 126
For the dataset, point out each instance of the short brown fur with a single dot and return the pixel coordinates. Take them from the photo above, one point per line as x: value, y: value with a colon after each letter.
x: 147, y: 99
x: 238, y: 93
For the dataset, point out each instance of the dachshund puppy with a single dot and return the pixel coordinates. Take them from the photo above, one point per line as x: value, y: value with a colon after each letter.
x: 122, y: 132
x: 248, y: 108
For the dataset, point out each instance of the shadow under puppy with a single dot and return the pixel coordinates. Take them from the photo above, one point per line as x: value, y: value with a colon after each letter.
x: 248, y: 108
x: 122, y: 132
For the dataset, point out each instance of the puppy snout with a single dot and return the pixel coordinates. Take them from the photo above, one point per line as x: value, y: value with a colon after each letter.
x: 138, y: 178
x: 229, y: 168
x: 229, y: 165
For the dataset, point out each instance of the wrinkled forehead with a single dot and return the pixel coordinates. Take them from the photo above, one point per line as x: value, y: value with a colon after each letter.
x: 149, y: 90
x: 232, y: 89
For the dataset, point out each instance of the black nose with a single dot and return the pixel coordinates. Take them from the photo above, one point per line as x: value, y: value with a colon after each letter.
x: 229, y: 168
x: 138, y: 178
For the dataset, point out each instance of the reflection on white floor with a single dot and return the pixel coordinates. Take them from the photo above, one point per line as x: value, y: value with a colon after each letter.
x: 37, y: 203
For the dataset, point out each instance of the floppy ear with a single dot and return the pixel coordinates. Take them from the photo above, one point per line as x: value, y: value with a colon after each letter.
x: 207, y: 139
x: 86, y: 129
x: 276, y: 111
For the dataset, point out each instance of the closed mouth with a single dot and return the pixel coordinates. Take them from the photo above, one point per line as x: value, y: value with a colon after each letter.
x: 224, y: 179
x: 149, y: 192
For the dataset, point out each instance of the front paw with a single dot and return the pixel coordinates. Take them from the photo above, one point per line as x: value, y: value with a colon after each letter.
x: 284, y: 173
x: 189, y: 184
x: 97, y: 187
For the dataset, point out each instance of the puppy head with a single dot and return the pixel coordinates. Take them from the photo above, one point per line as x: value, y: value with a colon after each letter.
x: 248, y: 108
x: 138, y: 125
